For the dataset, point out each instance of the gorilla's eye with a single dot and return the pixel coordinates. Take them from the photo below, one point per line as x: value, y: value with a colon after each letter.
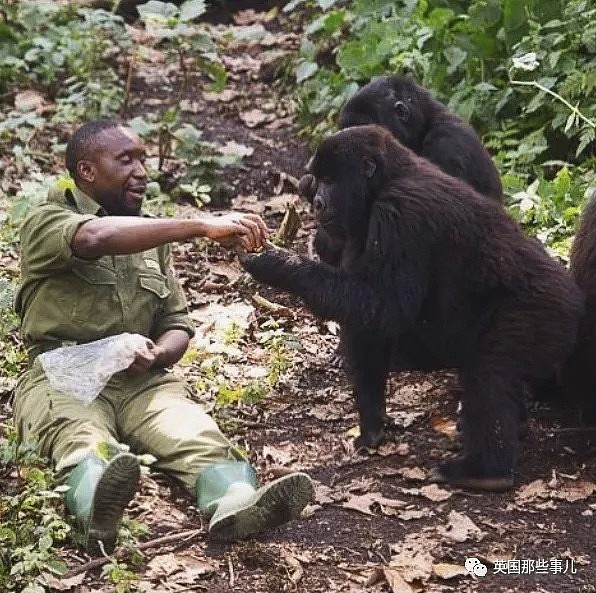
x: 401, y: 110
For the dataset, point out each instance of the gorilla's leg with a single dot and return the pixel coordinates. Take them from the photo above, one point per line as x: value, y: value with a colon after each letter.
x: 490, y: 430
x: 368, y: 359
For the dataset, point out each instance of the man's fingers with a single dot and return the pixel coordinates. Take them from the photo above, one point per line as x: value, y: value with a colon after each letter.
x: 265, y: 230
x: 255, y: 232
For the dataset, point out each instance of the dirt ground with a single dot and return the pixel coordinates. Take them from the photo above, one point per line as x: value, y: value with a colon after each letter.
x: 376, y: 524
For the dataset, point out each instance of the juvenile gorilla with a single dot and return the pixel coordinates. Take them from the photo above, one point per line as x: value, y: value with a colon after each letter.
x: 422, y: 273
x: 424, y: 125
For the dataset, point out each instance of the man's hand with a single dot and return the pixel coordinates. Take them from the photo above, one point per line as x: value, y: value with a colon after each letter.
x: 145, y: 358
x: 237, y: 230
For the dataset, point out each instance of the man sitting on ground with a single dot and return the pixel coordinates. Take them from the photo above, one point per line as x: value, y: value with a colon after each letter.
x: 93, y: 266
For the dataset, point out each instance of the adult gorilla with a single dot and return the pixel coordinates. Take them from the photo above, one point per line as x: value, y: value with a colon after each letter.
x: 422, y: 273
x: 578, y: 374
x: 424, y: 125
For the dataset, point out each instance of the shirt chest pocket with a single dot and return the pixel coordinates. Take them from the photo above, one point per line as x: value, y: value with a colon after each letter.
x: 94, y: 292
x: 155, y: 284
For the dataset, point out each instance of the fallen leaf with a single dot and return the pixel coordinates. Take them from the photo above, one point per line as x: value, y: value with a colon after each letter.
x: 29, y: 101
x: 225, y: 96
x: 277, y: 455
x: 363, y: 503
x: 248, y: 204
x: 246, y: 17
x: 531, y: 492
x: 445, y: 426
x: 64, y: 584
x: 323, y: 493
x: 391, y: 448
x: 412, y: 557
x: 413, y: 514
x: 435, y: 493
x: 572, y: 492
x: 449, y: 571
x: 413, y: 473
x: 190, y: 106
x: 396, y: 582
x: 255, y: 117
x: 235, y: 149
x: 460, y: 528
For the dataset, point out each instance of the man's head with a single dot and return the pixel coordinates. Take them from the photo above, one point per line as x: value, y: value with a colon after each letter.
x: 105, y: 158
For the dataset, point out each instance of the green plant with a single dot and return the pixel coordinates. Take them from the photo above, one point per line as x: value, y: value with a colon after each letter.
x: 69, y: 51
x: 172, y: 26
x: 253, y: 393
x: 182, y: 141
x: 278, y: 343
x: 523, y: 72
x: 31, y: 521
x: 13, y: 356
x: 118, y: 573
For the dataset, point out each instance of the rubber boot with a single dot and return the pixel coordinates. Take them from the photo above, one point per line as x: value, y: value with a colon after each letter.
x: 228, y: 493
x: 99, y: 492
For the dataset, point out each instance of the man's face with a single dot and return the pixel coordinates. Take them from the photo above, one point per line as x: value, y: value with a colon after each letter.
x: 114, y: 171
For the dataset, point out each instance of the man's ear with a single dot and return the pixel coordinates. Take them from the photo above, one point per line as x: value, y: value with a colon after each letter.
x: 86, y: 171
x: 369, y: 166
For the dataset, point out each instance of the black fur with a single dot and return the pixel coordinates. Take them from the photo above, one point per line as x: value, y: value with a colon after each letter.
x: 420, y: 271
x: 425, y: 126
x: 578, y: 374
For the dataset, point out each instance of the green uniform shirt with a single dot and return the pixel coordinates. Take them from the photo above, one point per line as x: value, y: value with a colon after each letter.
x: 64, y: 299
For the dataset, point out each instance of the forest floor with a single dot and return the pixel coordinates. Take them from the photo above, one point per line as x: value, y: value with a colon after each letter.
x: 376, y: 524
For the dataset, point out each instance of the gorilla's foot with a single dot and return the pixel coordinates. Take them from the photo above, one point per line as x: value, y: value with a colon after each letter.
x: 370, y: 440
x: 459, y: 473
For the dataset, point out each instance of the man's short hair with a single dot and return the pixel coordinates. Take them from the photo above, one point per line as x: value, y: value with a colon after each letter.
x: 84, y: 138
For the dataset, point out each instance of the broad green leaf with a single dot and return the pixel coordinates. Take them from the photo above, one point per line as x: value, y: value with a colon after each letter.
x: 157, y: 10
x: 325, y: 4
x: 191, y: 9
x: 305, y: 70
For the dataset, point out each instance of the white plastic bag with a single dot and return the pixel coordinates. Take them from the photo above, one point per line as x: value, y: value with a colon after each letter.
x: 84, y: 370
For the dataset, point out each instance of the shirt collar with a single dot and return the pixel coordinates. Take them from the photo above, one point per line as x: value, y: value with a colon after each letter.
x: 86, y: 204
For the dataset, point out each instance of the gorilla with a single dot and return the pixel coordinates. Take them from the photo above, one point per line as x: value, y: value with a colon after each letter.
x: 578, y: 373
x: 423, y: 277
x: 425, y: 126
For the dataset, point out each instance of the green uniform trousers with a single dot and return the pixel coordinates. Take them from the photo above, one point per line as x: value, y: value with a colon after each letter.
x: 150, y: 413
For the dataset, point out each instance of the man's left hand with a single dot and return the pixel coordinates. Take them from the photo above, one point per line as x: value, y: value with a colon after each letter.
x: 145, y: 358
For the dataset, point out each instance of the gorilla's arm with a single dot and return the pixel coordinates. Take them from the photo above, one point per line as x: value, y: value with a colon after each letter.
x: 384, y: 298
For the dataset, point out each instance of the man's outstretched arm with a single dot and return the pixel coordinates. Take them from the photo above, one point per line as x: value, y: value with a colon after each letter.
x: 119, y: 235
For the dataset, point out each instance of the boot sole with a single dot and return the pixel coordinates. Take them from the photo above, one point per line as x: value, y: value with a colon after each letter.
x: 280, y: 501
x: 115, y: 489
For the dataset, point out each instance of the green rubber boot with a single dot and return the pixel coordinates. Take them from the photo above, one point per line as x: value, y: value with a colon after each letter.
x: 228, y: 493
x: 99, y: 492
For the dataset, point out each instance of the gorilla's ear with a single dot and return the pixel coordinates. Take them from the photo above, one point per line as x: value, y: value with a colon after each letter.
x: 402, y: 110
x: 369, y: 166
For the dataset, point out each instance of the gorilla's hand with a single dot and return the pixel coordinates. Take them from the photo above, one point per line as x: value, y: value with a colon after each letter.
x: 276, y: 268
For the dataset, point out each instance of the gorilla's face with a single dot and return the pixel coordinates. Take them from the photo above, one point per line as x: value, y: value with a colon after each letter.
x: 392, y: 102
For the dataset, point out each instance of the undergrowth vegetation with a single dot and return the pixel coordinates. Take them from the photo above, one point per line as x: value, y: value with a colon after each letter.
x: 522, y: 72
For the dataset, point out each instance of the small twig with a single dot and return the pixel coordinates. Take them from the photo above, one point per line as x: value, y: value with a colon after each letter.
x: 231, y: 569
x: 166, y: 539
x: 273, y: 307
x: 556, y: 96
x: 131, y: 68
